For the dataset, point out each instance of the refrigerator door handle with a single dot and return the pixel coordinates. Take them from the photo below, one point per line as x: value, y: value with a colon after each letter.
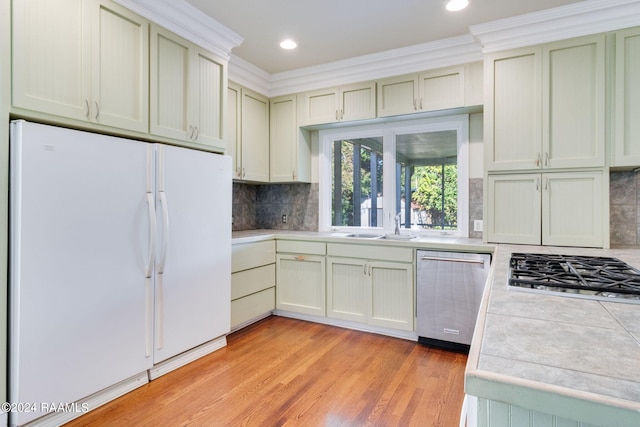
x: 165, y: 232
x: 152, y: 235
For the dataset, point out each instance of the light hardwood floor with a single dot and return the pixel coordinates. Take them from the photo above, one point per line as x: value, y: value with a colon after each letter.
x: 286, y: 372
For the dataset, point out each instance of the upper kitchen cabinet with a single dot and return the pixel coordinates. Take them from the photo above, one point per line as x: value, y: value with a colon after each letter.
x: 545, y: 106
x: 188, y: 99
x: 248, y: 133
x: 255, y: 136
x: 428, y: 91
x: 573, y: 99
x: 81, y: 60
x: 627, y: 99
x: 346, y: 103
x: 290, y: 145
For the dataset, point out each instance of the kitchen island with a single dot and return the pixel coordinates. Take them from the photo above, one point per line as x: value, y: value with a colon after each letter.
x: 548, y: 360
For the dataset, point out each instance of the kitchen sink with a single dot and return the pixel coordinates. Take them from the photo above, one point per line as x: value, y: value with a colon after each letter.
x: 398, y: 237
x: 365, y: 236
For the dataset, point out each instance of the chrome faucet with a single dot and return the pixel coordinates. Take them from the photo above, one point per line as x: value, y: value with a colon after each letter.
x: 397, y: 222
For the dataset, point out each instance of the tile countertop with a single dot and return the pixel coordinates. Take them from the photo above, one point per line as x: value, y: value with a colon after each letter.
x: 571, y: 357
x: 432, y: 242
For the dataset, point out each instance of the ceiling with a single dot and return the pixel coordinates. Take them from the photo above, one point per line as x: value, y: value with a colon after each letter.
x: 333, y: 30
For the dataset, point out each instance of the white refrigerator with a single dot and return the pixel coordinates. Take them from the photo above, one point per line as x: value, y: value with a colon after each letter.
x: 120, y: 258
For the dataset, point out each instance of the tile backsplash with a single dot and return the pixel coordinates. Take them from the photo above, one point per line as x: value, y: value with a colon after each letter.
x: 262, y: 206
x: 624, y: 199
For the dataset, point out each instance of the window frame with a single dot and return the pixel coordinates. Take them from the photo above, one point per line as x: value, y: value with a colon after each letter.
x: 388, y: 131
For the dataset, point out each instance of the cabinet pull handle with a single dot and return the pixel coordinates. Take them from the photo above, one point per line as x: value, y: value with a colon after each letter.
x: 197, y: 132
x: 546, y: 183
x: 341, y: 114
x: 244, y: 172
x: 415, y: 104
x: 546, y: 158
x: 538, y: 160
x: 336, y: 114
x: 421, y: 103
x: 293, y: 174
x: 97, y: 110
x: 300, y: 257
x: 538, y: 184
x: 86, y: 103
x: 370, y: 268
x: 364, y: 270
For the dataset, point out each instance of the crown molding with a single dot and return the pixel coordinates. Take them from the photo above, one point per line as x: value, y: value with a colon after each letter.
x: 559, y: 23
x: 187, y: 22
x: 248, y: 75
x: 438, y: 54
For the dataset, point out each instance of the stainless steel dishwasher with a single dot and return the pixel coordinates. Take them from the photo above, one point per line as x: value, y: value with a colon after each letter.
x: 449, y: 289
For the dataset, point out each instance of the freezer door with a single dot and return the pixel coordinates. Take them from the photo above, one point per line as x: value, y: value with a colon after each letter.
x: 79, y: 237
x: 193, y: 270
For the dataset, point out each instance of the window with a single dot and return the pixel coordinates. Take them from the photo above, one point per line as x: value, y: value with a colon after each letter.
x: 413, y: 172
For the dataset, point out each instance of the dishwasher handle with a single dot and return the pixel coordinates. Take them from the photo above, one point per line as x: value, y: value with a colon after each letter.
x: 463, y: 260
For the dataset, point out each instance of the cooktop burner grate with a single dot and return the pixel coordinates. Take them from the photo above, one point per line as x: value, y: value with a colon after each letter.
x: 605, y: 275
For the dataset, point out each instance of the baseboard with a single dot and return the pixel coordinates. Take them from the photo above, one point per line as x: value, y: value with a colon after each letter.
x: 186, y: 357
x: 91, y: 402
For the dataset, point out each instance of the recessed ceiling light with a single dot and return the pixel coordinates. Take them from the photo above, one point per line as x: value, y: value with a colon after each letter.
x: 456, y: 5
x: 288, y: 44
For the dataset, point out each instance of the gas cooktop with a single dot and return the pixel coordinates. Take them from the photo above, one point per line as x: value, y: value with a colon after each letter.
x: 592, y: 277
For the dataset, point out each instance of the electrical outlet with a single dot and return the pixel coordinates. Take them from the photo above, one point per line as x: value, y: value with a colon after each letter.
x: 477, y: 225
x: 284, y: 218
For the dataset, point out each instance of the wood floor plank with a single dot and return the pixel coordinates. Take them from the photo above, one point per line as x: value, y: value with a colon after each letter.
x: 287, y: 372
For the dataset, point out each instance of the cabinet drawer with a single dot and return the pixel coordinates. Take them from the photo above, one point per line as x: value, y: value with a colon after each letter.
x: 251, y: 306
x: 250, y: 255
x: 370, y: 252
x: 297, y: 247
x: 248, y: 282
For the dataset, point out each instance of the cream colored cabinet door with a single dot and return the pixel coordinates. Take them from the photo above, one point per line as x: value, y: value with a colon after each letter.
x: 573, y: 115
x: 357, y: 102
x: 348, y: 289
x: 300, y: 285
x: 572, y: 209
x: 514, y: 209
x: 82, y: 60
x: 428, y: 91
x: 627, y: 99
x: 398, y: 95
x: 289, y: 145
x: 512, y: 109
x: 391, y: 295
x: 120, y: 52
x: 377, y: 293
x: 187, y: 97
x: 208, y: 82
x: 169, y: 93
x: 321, y: 106
x: 441, y: 89
x: 254, y: 136
x: 233, y: 127
x: 353, y: 102
x: 560, y: 209
x: 51, y: 57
